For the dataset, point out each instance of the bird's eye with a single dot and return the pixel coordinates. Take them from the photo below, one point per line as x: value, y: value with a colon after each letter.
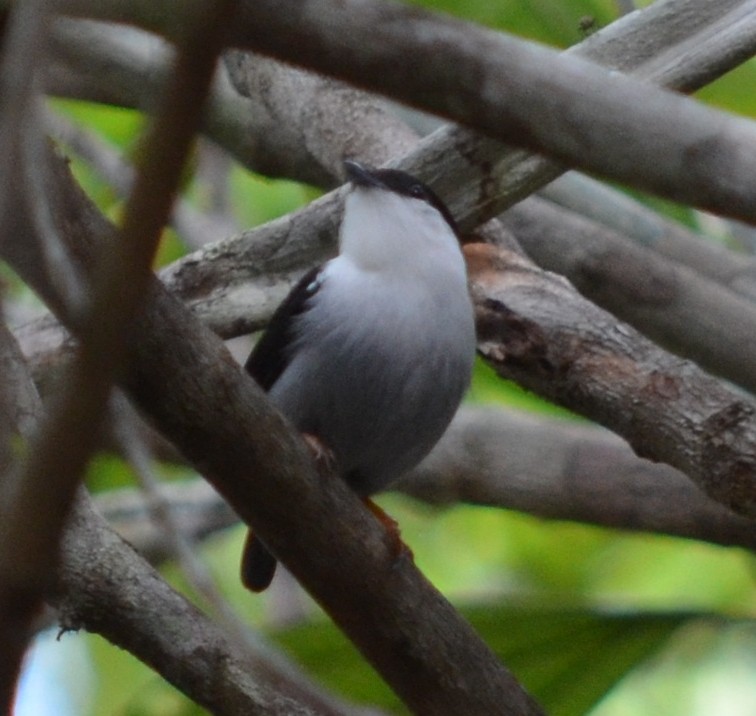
x: 417, y: 191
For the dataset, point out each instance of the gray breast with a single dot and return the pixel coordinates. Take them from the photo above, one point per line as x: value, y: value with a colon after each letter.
x: 378, y: 393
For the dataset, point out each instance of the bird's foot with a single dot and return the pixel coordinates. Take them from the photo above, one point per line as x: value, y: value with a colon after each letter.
x: 323, y: 457
x: 393, y: 534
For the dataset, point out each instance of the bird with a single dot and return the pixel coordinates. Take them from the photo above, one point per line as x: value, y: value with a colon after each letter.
x: 370, y: 354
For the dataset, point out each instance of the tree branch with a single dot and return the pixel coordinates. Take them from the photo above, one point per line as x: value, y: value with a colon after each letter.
x: 534, y: 328
x: 19, y: 409
x: 567, y: 471
x: 617, y: 126
x: 107, y: 588
x: 620, y: 213
x: 551, y: 468
x: 297, y: 108
x: 670, y: 303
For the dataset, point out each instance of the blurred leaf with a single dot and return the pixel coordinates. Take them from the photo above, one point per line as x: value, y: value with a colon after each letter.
x: 554, y: 22
x: 122, y: 680
x: 568, y: 659
x: 108, y: 472
x: 257, y: 199
x: 707, y: 667
x: 734, y: 91
x: 118, y: 125
x: 331, y: 658
x: 488, y: 387
x: 660, y: 572
x: 476, y: 552
x: 170, y: 248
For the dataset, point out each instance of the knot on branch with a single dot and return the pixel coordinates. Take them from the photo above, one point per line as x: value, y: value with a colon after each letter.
x: 730, y: 470
x: 508, y: 339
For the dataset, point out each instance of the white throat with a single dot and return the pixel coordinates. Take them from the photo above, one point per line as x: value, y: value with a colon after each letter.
x: 385, y: 231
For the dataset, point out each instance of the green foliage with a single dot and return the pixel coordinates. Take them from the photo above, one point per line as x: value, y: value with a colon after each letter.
x: 108, y: 472
x: 568, y: 659
x: 488, y: 388
x: 560, y: 24
x: 734, y: 91
x: 127, y: 687
x: 118, y: 125
x: 257, y: 199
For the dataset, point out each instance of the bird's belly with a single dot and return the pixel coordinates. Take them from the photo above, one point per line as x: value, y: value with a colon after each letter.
x: 378, y: 399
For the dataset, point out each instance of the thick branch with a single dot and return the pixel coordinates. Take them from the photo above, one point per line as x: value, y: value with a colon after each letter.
x: 522, y: 94
x: 19, y: 410
x: 139, y: 611
x: 620, y: 213
x: 323, y: 119
x: 568, y: 471
x: 672, y: 304
x: 551, y: 468
x: 535, y: 328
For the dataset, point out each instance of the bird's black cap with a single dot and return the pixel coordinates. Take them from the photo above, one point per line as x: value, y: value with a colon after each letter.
x: 399, y: 182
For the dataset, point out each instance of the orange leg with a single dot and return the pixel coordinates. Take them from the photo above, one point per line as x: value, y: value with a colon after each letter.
x: 325, y: 462
x: 393, y: 534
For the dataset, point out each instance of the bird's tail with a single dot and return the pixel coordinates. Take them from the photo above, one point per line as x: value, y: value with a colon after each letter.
x: 258, y: 565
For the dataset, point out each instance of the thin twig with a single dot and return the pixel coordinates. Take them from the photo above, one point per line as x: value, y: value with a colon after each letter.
x: 194, y: 228
x: 40, y: 496
x: 196, y: 573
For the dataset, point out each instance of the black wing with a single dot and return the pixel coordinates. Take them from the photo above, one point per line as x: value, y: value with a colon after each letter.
x: 270, y: 357
x: 265, y: 364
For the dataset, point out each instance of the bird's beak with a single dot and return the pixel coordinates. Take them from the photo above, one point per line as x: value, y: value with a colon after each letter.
x: 361, y: 175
